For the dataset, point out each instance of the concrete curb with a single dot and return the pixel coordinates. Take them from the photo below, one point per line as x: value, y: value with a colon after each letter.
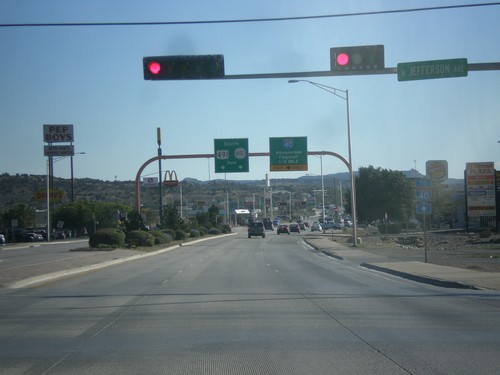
x: 419, y: 278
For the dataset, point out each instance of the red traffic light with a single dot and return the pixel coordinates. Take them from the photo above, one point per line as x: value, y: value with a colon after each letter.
x: 357, y: 58
x: 342, y: 59
x: 158, y: 68
x: 154, y: 67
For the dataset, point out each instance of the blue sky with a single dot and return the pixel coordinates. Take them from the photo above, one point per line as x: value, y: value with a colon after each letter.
x: 92, y: 77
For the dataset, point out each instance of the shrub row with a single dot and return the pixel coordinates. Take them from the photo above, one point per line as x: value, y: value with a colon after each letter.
x: 110, y: 238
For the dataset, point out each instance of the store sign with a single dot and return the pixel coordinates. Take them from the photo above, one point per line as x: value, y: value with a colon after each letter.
x: 58, y: 133
x: 480, y: 181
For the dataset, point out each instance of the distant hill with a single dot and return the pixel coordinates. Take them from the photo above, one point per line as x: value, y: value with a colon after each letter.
x: 21, y: 188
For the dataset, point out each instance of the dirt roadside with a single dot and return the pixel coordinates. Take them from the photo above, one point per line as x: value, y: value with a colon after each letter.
x: 461, y: 250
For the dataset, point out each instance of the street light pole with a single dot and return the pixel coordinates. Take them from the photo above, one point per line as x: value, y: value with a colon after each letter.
x: 72, y: 177
x: 344, y: 94
x: 322, y: 192
x: 160, y: 182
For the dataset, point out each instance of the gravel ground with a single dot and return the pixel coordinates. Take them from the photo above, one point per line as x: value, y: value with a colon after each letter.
x: 461, y: 250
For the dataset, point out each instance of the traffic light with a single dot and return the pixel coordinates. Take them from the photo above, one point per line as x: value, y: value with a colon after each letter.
x: 158, y: 68
x: 357, y: 58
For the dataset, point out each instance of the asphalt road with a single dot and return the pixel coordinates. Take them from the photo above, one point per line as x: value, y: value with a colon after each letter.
x: 235, y: 305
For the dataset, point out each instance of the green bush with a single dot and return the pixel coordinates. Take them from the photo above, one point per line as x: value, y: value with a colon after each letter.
x: 194, y: 233
x: 107, y: 237
x: 169, y: 232
x: 393, y: 228
x: 161, y: 237
x: 226, y: 229
x: 139, y: 238
x: 180, y: 235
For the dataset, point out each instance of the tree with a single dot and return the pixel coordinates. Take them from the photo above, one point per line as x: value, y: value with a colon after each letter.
x: 83, y: 214
x: 380, y: 191
x: 213, y: 214
x: 24, y: 215
x: 135, y: 222
x: 172, y: 219
x: 75, y: 215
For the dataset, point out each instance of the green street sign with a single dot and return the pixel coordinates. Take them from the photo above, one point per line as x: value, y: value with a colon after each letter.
x: 288, y: 154
x: 231, y: 155
x: 432, y: 69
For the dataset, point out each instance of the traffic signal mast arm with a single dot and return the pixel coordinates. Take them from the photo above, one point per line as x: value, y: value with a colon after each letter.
x: 208, y: 156
x: 328, y: 73
x: 344, y: 61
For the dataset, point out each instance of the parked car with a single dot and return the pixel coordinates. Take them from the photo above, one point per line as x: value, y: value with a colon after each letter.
x: 2, y: 239
x: 294, y: 228
x: 283, y: 228
x: 29, y: 237
x: 347, y: 223
x: 316, y: 227
x: 338, y: 225
x: 302, y: 226
x: 328, y: 225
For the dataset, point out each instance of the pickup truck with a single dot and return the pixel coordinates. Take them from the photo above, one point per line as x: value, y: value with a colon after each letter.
x: 256, y: 228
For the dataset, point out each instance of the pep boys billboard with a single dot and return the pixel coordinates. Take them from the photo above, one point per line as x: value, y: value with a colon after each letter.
x: 58, y: 133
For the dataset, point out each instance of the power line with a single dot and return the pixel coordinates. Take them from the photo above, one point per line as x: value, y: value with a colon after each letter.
x: 249, y: 20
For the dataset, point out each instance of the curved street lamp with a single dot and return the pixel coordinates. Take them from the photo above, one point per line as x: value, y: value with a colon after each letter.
x: 343, y: 94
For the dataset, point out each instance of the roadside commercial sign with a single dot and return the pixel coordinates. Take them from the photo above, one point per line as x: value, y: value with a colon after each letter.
x: 150, y: 182
x: 437, y: 170
x: 418, y: 70
x: 480, y: 182
x: 59, y: 150
x: 54, y: 195
x: 58, y: 133
x: 231, y: 155
x: 288, y: 154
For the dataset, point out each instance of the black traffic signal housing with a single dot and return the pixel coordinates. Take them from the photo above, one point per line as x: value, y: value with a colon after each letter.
x: 357, y: 58
x: 160, y: 68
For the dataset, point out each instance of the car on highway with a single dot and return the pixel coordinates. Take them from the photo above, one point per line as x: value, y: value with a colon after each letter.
x: 294, y: 228
x: 316, y: 226
x: 256, y: 228
x: 268, y: 224
x: 283, y: 228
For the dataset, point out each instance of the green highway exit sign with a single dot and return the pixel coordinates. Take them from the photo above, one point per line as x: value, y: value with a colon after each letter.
x: 231, y: 155
x: 412, y: 71
x: 288, y: 154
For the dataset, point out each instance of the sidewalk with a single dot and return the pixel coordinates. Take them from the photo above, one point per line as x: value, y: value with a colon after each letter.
x: 443, y: 276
